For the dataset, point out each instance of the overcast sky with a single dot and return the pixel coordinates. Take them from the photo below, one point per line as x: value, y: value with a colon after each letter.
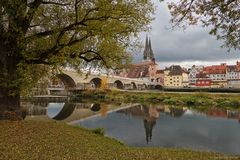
x: 192, y: 46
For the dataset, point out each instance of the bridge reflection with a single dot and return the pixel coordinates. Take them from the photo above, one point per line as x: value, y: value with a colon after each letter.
x: 60, y: 111
x: 63, y: 111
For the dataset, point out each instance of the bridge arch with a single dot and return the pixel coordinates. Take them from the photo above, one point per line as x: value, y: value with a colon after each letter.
x: 67, y: 80
x: 134, y: 86
x: 145, y: 86
x: 119, y: 84
x: 96, y: 82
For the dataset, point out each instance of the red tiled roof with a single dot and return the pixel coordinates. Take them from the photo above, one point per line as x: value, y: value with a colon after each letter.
x: 216, y: 69
x: 145, y: 63
x: 140, y: 69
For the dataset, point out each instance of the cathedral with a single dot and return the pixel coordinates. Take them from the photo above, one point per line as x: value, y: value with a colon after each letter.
x: 148, y: 52
x: 147, y: 69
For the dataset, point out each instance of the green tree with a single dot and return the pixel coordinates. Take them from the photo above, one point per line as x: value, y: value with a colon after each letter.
x: 222, y: 16
x: 35, y: 34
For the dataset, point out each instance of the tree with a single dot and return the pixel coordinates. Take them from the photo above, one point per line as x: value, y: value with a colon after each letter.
x: 35, y: 34
x: 223, y: 16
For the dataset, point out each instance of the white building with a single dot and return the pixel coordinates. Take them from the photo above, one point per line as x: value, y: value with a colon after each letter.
x: 192, y: 76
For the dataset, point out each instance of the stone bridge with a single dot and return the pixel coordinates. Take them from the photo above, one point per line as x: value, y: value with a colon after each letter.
x: 80, y: 81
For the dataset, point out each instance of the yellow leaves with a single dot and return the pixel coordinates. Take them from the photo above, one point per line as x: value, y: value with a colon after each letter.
x: 50, y: 140
x: 104, y: 83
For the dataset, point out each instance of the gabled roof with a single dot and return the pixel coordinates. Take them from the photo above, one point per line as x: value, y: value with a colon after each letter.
x: 175, y: 70
x: 140, y: 69
x: 232, y: 68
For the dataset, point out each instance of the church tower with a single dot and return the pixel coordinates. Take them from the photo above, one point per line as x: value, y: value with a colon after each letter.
x: 148, y: 52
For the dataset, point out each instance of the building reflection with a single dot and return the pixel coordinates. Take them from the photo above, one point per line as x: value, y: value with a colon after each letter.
x: 149, y: 123
x: 224, y: 113
x: 176, y: 112
x: 150, y: 114
x: 61, y: 111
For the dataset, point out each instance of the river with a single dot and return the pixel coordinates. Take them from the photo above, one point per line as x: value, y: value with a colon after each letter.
x: 158, y: 125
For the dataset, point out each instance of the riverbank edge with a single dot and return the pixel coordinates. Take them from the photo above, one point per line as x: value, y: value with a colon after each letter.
x: 193, y: 99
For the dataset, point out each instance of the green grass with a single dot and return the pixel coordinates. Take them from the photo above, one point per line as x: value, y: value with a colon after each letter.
x: 57, y: 140
x: 179, y: 99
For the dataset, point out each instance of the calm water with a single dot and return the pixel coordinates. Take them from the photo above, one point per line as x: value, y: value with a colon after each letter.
x: 144, y: 126
x: 155, y: 126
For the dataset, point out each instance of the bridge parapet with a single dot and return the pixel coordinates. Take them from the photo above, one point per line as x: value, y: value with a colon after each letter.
x: 84, y: 81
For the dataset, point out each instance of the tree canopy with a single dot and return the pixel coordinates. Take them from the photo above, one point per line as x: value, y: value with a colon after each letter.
x: 222, y: 16
x: 60, y: 32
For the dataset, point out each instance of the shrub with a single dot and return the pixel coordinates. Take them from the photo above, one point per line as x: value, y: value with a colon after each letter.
x: 235, y: 103
x: 170, y: 101
x: 99, y: 131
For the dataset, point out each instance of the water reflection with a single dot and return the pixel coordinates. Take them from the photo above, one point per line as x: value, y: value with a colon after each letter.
x: 150, y: 114
x: 63, y: 111
x: 60, y: 111
x: 95, y: 107
x: 169, y: 126
x: 154, y: 126
x: 224, y: 113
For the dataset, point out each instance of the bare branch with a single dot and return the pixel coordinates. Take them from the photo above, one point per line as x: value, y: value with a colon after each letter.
x: 186, y: 12
x: 69, y: 27
x: 56, y: 3
x: 32, y: 9
x: 58, y: 47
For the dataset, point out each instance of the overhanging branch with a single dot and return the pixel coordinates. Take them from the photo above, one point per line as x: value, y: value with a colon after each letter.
x: 56, y: 3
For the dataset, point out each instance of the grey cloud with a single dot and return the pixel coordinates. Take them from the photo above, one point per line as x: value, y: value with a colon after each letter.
x: 193, y: 44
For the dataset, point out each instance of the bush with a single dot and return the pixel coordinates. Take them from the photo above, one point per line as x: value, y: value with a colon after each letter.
x: 235, y: 103
x: 170, y: 101
x: 99, y: 131
x: 190, y: 101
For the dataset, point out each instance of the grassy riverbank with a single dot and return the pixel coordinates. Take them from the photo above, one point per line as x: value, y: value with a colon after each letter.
x: 57, y: 140
x: 197, y: 99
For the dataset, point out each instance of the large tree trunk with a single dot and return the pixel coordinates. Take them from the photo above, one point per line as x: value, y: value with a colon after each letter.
x: 9, y: 86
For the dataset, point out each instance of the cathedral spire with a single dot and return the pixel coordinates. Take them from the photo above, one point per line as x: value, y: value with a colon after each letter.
x: 148, y: 52
x: 151, y: 56
x: 145, y: 53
